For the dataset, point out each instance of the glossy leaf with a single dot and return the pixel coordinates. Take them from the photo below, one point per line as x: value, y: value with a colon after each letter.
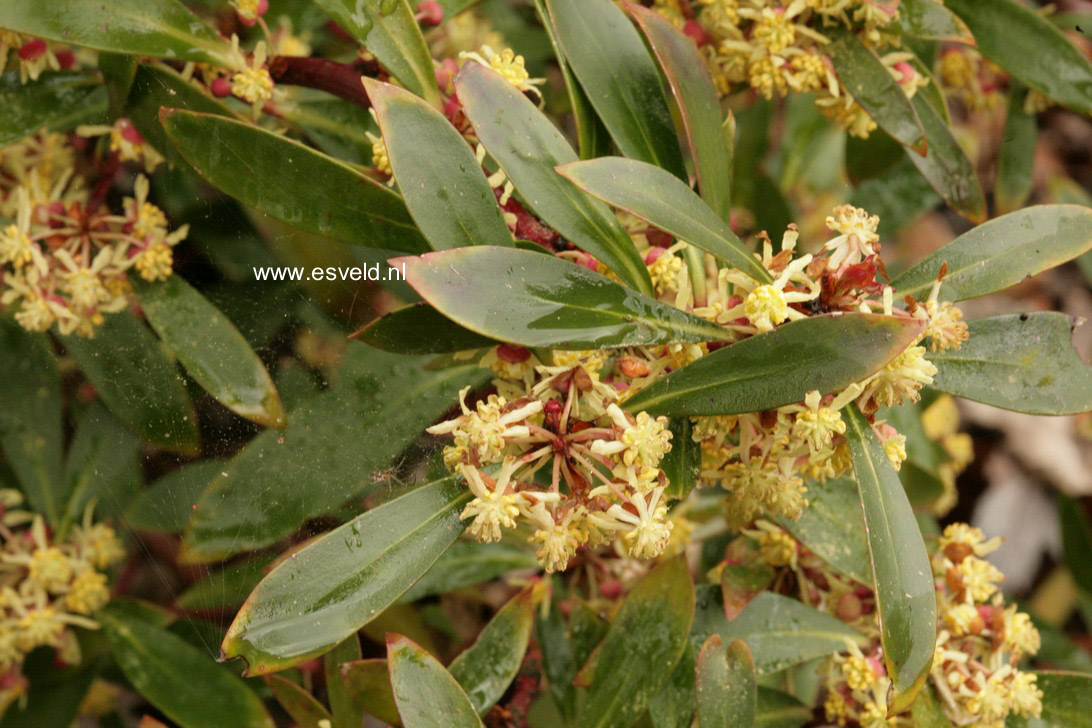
x: 1030, y: 48
x: 825, y: 353
x: 369, y: 682
x: 301, y: 706
x: 136, y: 380
x: 342, y: 705
x: 1024, y: 362
x: 682, y: 464
x: 614, y: 67
x: 1016, y: 159
x: 1067, y: 702
x: 699, y: 106
x: 528, y: 148
x: 293, y: 183
x: 487, y: 667
x: 224, y: 589
x: 56, y: 101
x: 388, y: 29
x: 776, y: 709
x: 930, y: 20
x: 1002, y: 252
x: 178, y: 678
x: 426, y: 694
x: 875, y: 89
x: 441, y: 182
x: 903, y: 578
x: 673, y: 706
x: 338, y: 582
x: 419, y: 329
x: 468, y: 563
x: 832, y: 526
x: 103, y: 465
x: 538, y: 300
x: 158, y: 28
x: 169, y: 503
x: 31, y: 434
x: 726, y: 689
x: 665, y: 202
x: 330, y: 446
x: 211, y: 349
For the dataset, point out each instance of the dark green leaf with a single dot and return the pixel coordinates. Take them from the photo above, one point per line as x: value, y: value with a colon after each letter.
x: 56, y: 101
x: 614, y: 67
x: 333, y: 586
x: 903, y: 578
x: 211, y: 349
x: 388, y: 29
x: 649, y: 630
x: 369, y: 682
x: 779, y: 710
x: 468, y: 563
x: 1030, y: 48
x: 673, y: 706
x: 665, y: 202
x: 136, y: 380
x: 559, y: 664
x: 1067, y: 702
x: 293, y: 183
x: 224, y: 589
x: 930, y: 20
x: 899, y: 195
x: 833, y: 527
x: 342, y: 705
x: 178, y: 678
x: 1002, y: 252
x: 682, y: 464
x: 300, y: 705
x: 528, y: 148
x: 487, y: 667
x: 1024, y: 362
x: 118, y: 72
x: 169, y: 503
x: 441, y: 182
x: 537, y: 300
x: 770, y: 370
x: 103, y: 466
x: 159, y: 28
x: 1016, y: 160
x: 1076, y: 540
x: 426, y: 694
x: 699, y: 106
x: 419, y: 329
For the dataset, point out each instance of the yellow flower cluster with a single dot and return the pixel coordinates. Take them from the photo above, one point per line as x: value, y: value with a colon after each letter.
x: 63, y: 261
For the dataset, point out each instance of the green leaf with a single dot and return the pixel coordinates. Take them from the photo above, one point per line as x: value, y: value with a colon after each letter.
x: 419, y: 329
x: 159, y: 28
x: 528, y: 148
x: 779, y: 710
x: 682, y: 464
x: 1076, y: 540
x: 369, y: 682
x: 329, y: 446
x: 136, y: 380
x: 103, y: 465
x: 487, y: 667
x: 1016, y: 159
x: 1002, y: 252
x: 726, y: 687
x: 537, y: 300
x: 665, y: 202
x: 741, y: 583
x: 832, y: 526
x: 825, y: 353
x: 620, y: 78
x: 118, y: 72
x: 337, y: 583
x: 559, y: 663
x: 427, y: 695
x: 905, y: 594
x: 56, y: 101
x: 178, y: 678
x: 224, y: 589
x: 649, y: 630
x: 468, y: 563
x: 1023, y: 362
x: 1030, y: 48
x: 441, y: 182
x: 31, y: 433
x: 293, y: 183
x: 898, y: 197
x: 388, y: 29
x: 301, y: 706
x: 927, y: 712
x: 211, y: 349
x: 780, y: 632
x: 673, y: 706
x: 929, y: 20
x: 699, y: 106
x: 169, y: 503
x: 876, y: 90
x: 1067, y: 702
x: 342, y: 704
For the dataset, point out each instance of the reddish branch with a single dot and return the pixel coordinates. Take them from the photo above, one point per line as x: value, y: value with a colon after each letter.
x: 339, y: 79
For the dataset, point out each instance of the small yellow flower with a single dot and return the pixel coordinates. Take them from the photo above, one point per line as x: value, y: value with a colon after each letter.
x: 50, y: 569
x: 766, y: 307
x: 155, y: 263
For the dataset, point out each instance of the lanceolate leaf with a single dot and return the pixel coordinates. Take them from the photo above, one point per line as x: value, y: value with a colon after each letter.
x: 419, y: 329
x: 528, y: 148
x: 56, y: 101
x: 825, y: 353
x: 441, y: 182
x: 178, y: 678
x: 832, y: 526
x: 213, y: 351
x: 468, y: 563
x: 930, y: 20
x: 1030, y: 48
x: 300, y: 705
x: 290, y: 182
x: 426, y: 694
x: 159, y: 28
x: 536, y: 300
x: 342, y: 704
x: 673, y: 706
x: 333, y: 586
x: 1016, y: 159
x: 1076, y: 540
x: 388, y: 29
x: 369, y: 683
x: 1002, y: 252
x: 650, y: 630
x: 875, y: 89
x: 1024, y: 362
x: 1067, y: 702
x: 779, y: 710
x: 487, y: 667
x: 903, y: 578
x: 699, y: 106
x: 682, y: 464
x: 614, y: 67
x: 666, y: 202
